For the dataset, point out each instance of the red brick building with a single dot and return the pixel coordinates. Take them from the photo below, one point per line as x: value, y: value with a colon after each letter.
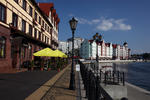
x: 25, y: 27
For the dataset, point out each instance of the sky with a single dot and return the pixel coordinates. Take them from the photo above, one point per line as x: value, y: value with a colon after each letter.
x: 118, y: 21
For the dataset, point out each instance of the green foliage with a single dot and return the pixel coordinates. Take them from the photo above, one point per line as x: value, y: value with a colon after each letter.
x: 49, y: 63
x: 146, y: 56
x: 32, y: 63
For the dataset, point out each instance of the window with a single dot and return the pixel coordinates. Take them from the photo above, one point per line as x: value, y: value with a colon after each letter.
x: 45, y: 39
x: 48, y: 29
x: 16, y: 1
x: 35, y: 32
x: 51, y: 31
x: 24, y: 3
x: 2, y: 46
x: 30, y: 50
x: 23, y: 52
x: 12, y: 51
x: 42, y: 23
x: 30, y: 11
x: 48, y: 40
x: 2, y: 13
x: 35, y: 48
x: 39, y: 35
x: 30, y: 30
x: 15, y: 20
x: 45, y: 26
x: 23, y: 26
x: 35, y: 16
x: 39, y: 20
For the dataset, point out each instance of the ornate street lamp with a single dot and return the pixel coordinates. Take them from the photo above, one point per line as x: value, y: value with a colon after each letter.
x: 73, y: 24
x: 97, y: 39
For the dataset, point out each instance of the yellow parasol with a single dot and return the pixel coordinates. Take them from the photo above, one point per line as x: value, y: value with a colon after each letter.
x: 58, y: 53
x: 44, y: 52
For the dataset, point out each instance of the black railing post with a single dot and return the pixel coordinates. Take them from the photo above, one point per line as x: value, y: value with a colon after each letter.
x: 100, y: 75
x: 123, y: 79
x: 113, y: 76
x: 118, y: 76
x: 105, y: 78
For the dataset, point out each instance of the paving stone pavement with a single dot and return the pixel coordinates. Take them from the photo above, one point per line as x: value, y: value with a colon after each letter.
x: 60, y: 90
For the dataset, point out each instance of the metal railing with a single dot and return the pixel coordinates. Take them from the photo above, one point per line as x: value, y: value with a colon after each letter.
x: 92, y: 80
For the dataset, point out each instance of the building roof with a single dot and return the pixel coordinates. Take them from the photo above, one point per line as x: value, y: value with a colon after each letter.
x: 91, y: 41
x: 125, y: 43
x: 107, y: 44
x: 47, y: 8
x: 114, y: 45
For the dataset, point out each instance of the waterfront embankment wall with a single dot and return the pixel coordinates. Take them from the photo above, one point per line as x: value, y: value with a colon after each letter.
x: 137, y: 93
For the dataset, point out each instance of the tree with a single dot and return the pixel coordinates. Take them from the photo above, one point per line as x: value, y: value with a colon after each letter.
x: 146, y: 56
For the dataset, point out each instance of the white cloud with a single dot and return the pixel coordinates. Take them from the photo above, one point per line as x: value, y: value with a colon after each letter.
x: 113, y: 24
x: 70, y: 15
x: 95, y: 21
x: 106, y: 24
x: 83, y: 21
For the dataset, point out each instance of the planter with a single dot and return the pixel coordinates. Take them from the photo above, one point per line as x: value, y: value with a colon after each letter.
x: 49, y: 69
x: 41, y: 68
x: 58, y: 69
x: 32, y: 68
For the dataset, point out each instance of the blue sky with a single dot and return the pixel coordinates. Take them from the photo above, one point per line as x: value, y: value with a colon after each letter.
x: 116, y: 20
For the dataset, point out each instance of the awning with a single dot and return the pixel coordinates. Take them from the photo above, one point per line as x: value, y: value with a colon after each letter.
x: 47, y: 52
x: 60, y: 54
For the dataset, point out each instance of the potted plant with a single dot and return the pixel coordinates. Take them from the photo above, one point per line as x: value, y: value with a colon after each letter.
x: 49, y: 66
x: 42, y: 66
x: 58, y: 65
x: 32, y: 65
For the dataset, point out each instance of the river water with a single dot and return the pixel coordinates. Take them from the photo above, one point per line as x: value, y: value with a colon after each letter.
x: 137, y: 73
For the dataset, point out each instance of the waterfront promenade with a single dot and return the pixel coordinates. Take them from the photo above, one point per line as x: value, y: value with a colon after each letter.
x: 51, y: 85
x: 37, y: 85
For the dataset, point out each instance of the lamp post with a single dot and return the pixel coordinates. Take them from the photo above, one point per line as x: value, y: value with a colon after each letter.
x: 97, y: 38
x: 73, y: 23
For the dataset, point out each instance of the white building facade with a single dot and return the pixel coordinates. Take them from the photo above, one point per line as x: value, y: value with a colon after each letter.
x: 77, y: 43
x: 66, y: 46
x: 105, y: 50
x: 63, y: 46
